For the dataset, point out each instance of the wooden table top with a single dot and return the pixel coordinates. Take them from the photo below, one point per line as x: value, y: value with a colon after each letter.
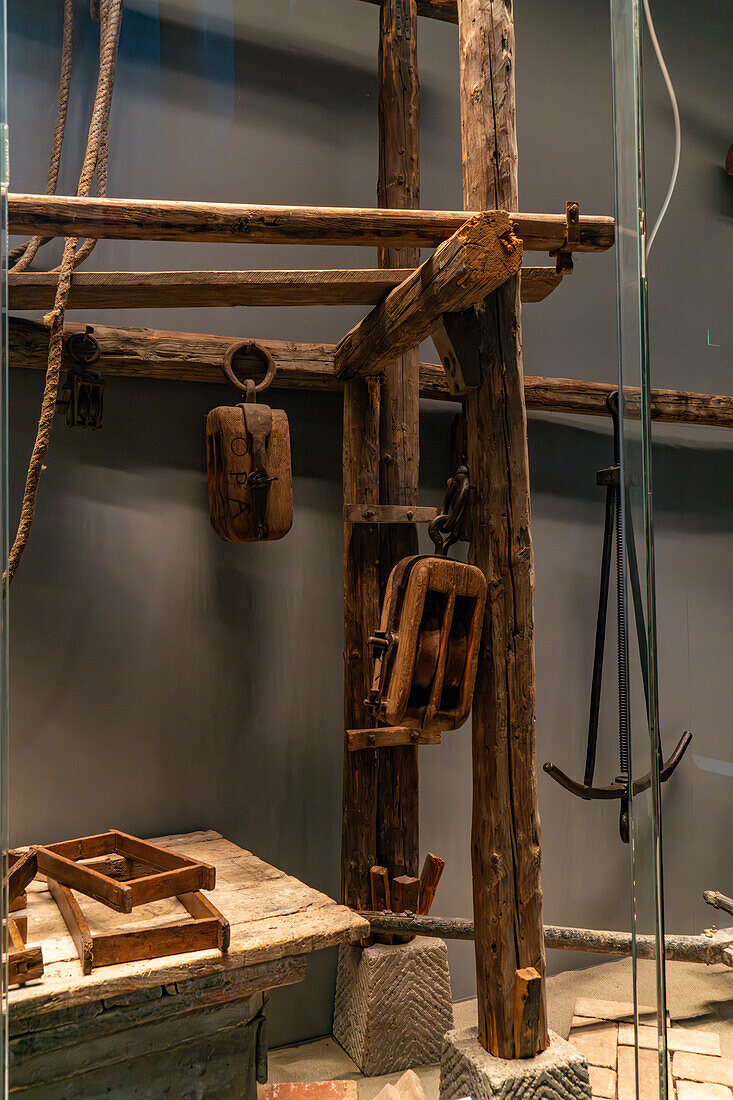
x: 275, y: 920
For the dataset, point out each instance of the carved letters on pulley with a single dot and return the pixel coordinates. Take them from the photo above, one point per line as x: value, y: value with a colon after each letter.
x: 248, y: 460
x: 427, y: 648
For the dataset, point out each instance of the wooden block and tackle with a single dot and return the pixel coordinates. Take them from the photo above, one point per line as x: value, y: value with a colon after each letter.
x: 248, y: 459
x: 426, y: 651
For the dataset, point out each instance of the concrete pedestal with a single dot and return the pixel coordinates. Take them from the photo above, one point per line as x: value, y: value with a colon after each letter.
x: 393, y: 1004
x: 466, y: 1069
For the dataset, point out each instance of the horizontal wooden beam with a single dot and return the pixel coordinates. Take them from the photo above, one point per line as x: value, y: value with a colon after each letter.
x: 192, y: 357
x: 480, y: 257
x: 159, y: 220
x: 446, y: 10
x: 388, y: 513
x: 709, y: 948
x: 186, y: 289
x: 387, y: 736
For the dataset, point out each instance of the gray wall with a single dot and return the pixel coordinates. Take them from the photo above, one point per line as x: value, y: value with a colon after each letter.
x: 164, y: 681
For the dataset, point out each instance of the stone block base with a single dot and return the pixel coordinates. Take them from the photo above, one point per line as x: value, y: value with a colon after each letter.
x: 466, y: 1069
x: 393, y: 1004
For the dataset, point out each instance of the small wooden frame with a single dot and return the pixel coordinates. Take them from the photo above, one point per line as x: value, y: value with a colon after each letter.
x: 159, y: 872
x: 24, y: 963
x: 208, y: 930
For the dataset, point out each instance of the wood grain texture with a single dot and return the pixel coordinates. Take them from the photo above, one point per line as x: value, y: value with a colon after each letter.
x: 193, y: 357
x: 430, y: 876
x: 505, y: 832
x: 398, y: 187
x: 165, y: 220
x: 384, y: 737
x: 477, y: 259
x: 186, y: 289
x: 360, y: 475
x: 527, y: 1010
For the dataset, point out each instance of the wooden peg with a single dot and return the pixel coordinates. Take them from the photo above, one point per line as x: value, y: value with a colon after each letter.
x: 429, y: 879
x: 527, y: 1013
x: 405, y: 893
x: 379, y: 880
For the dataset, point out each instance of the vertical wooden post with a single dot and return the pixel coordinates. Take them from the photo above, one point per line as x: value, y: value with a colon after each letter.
x: 361, y: 617
x: 505, y: 844
x: 380, y: 464
x: 398, y: 187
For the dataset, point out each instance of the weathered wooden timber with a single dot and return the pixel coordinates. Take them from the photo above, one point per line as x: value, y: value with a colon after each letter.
x: 193, y: 357
x: 389, y: 513
x: 186, y: 289
x: 381, y: 737
x: 708, y: 948
x: 398, y: 187
x: 718, y: 901
x: 235, y: 223
x: 360, y: 474
x: 505, y: 829
x: 481, y: 256
x: 434, y: 9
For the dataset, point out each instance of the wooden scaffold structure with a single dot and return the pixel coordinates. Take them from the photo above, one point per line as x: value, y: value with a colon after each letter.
x: 468, y: 296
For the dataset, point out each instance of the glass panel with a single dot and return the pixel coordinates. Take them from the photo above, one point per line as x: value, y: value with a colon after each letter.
x: 4, y: 777
x: 637, y: 664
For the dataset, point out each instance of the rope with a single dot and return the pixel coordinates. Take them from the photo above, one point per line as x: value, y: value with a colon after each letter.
x: 95, y: 158
x: 23, y: 255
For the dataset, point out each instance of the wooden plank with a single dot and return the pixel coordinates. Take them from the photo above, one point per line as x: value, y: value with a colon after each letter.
x: 444, y: 10
x: 382, y: 737
x: 76, y: 923
x: 505, y: 847
x: 186, y: 289
x: 430, y: 876
x: 481, y: 256
x: 163, y: 858
x: 22, y: 869
x: 388, y: 513
x: 193, y: 357
x: 166, y: 220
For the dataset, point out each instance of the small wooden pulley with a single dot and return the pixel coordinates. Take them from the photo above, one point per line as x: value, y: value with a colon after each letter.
x: 248, y: 458
x: 426, y: 651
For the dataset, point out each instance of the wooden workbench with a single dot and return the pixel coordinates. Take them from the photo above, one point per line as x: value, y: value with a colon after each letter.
x: 186, y: 1025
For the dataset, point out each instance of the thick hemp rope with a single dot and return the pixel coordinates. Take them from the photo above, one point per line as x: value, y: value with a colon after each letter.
x: 96, y: 155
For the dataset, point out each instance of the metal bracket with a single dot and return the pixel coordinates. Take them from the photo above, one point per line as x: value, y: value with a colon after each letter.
x: 564, y: 254
x: 404, y: 22
x: 82, y: 394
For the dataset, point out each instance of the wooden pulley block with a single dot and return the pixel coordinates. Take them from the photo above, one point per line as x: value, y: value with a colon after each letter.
x: 248, y: 460
x: 426, y: 650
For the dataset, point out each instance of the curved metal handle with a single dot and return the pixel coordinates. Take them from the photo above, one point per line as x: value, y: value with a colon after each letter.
x: 247, y: 386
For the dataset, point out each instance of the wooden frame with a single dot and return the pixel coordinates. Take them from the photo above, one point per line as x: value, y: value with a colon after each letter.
x: 22, y: 869
x: 160, y: 873
x: 207, y: 931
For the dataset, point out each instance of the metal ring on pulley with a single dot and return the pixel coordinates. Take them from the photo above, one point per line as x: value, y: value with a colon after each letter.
x: 247, y: 386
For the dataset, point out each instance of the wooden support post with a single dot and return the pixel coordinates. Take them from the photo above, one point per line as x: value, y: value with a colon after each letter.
x: 361, y: 618
x: 505, y: 844
x: 398, y: 187
x: 429, y: 878
x: 477, y: 259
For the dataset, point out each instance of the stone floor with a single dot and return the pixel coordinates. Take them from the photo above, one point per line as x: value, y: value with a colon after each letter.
x: 699, y: 998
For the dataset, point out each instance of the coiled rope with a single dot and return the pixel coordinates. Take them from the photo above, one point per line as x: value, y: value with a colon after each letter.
x: 95, y: 161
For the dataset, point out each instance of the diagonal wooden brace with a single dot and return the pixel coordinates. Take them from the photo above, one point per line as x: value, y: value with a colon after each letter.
x: 481, y: 256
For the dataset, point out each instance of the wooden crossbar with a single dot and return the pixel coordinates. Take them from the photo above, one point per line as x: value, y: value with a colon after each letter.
x: 165, y: 220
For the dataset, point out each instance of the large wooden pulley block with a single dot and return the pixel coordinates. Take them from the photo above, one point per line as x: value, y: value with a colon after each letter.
x: 426, y: 651
x: 248, y: 463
